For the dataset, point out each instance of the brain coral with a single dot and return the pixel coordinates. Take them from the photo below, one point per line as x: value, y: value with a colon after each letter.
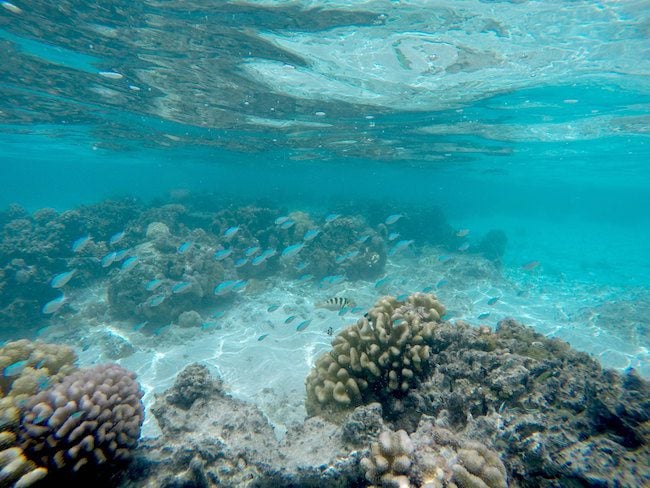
x: 91, y: 417
x: 379, y: 358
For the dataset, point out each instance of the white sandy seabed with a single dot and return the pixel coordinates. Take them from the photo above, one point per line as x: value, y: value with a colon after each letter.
x: 271, y: 372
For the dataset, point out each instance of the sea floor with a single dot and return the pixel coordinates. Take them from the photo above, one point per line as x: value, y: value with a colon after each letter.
x: 262, y: 358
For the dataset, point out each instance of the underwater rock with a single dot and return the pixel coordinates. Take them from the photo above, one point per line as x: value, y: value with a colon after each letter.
x: 533, y: 398
x: 186, y: 283
x: 221, y: 441
x: 157, y: 231
x: 192, y: 383
x: 493, y: 246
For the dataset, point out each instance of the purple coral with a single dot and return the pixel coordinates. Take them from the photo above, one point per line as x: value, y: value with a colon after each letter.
x: 91, y: 418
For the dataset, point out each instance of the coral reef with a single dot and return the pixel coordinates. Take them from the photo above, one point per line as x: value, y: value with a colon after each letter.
x: 380, y: 358
x: 432, y: 458
x: 90, y: 418
x: 159, y: 259
x: 543, y: 404
x: 211, y: 439
x: 390, y: 460
x: 33, y: 248
x: 36, y: 364
x: 15, y: 469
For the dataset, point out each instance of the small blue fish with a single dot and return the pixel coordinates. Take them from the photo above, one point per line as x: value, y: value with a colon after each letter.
x: 241, y: 262
x: 428, y: 289
x: 401, y: 245
x: 331, y: 218
x: 40, y: 364
x: 108, y: 259
x: 441, y: 283
x: 251, y: 250
x: 156, y: 300
x: 401, y: 297
x: 239, y: 285
x: 116, y: 238
x: 352, y: 254
x: 231, y: 231
x: 53, y: 305
x: 224, y: 287
x: 153, y: 284
x: 222, y: 254
x: 130, y: 263
x: 207, y: 325
x: 443, y: 258
x: 162, y: 330
x: 393, y: 235
x: 343, y: 311
x: 262, y: 337
x: 62, y: 279
x: 331, y: 280
x: 181, y: 287
x: 301, y: 265
x: 398, y: 321
x: 218, y: 314
x: 272, y: 308
x: 391, y: 219
x: 363, y: 238
x: 287, y: 224
x: 290, y: 319
x: 340, y: 259
x: 463, y: 247
x: 356, y: 309
x: 447, y: 316
x: 382, y: 282
x: 139, y: 326
x: 303, y: 325
x: 492, y: 300
x: 305, y: 277
x: 184, y: 247
x: 42, y: 382
x: 311, y: 234
x: 281, y: 220
x: 80, y: 244
x: 292, y: 250
x: 14, y: 369
x: 257, y: 260
x: 483, y: 315
x: 121, y: 254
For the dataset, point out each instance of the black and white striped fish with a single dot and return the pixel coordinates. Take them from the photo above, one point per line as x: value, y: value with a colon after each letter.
x: 335, y: 303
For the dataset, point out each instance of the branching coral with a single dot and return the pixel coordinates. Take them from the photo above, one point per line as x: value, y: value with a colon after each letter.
x: 381, y: 356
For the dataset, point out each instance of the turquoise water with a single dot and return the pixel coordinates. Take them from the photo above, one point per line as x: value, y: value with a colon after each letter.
x: 527, y: 118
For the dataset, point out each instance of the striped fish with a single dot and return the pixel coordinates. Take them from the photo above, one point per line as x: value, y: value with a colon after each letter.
x: 335, y: 303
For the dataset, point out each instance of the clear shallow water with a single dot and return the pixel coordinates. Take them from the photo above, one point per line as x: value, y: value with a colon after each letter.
x: 527, y: 117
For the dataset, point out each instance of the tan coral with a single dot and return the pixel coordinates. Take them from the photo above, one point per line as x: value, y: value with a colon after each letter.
x: 390, y: 461
x: 380, y: 356
x: 15, y: 469
x: 45, y: 364
x: 445, y: 460
x: 432, y: 458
